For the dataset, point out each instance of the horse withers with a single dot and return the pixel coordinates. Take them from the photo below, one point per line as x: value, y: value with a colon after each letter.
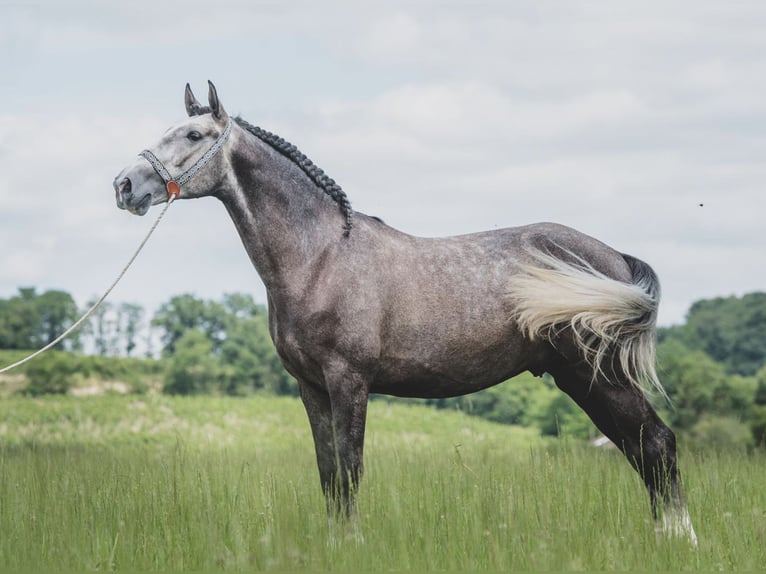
x: 357, y: 307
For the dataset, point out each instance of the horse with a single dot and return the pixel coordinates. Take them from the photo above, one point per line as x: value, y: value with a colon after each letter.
x: 357, y: 307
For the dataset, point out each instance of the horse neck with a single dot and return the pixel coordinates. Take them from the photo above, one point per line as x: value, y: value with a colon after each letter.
x: 285, y: 222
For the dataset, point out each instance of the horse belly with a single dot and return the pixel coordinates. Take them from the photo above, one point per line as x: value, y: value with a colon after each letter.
x: 438, y: 363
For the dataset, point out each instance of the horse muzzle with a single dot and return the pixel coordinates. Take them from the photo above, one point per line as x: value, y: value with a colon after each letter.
x: 138, y: 204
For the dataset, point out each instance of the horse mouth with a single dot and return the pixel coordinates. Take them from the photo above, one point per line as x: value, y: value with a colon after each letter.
x: 142, y: 206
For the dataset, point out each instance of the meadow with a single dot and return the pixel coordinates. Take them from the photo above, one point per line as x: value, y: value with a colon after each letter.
x: 160, y: 483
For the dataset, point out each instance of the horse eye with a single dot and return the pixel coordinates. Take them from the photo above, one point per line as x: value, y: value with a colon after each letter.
x: 194, y: 136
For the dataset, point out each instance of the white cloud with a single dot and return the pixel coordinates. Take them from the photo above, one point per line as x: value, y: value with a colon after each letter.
x: 392, y: 36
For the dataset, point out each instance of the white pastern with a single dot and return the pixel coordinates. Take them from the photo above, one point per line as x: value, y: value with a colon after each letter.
x: 678, y: 524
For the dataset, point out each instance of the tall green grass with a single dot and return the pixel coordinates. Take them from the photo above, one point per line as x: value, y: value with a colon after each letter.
x: 116, y: 483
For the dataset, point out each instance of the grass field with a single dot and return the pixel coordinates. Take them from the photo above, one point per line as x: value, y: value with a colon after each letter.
x: 137, y: 483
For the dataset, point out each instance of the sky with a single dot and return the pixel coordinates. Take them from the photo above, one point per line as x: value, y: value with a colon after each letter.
x: 642, y: 124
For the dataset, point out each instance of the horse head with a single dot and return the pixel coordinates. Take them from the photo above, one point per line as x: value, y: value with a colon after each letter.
x: 184, y: 163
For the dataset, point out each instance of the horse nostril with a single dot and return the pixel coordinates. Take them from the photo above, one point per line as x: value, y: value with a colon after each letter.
x: 124, y: 187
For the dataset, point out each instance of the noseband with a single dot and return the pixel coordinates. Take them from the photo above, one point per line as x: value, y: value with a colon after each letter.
x: 174, y: 184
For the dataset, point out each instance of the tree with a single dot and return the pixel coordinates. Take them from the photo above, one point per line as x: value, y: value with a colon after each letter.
x: 720, y: 432
x: 250, y: 361
x: 29, y: 320
x: 101, y: 328
x: 733, y: 397
x: 130, y: 316
x: 19, y: 321
x: 186, y: 312
x: 57, y: 311
x: 241, y: 306
x: 730, y: 330
x: 690, y: 379
x: 238, y: 335
x: 193, y: 368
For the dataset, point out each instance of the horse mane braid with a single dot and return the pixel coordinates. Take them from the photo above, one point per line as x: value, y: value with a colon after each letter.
x: 318, y: 176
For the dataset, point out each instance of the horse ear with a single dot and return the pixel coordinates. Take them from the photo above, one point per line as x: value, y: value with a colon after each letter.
x: 215, y: 104
x: 192, y: 105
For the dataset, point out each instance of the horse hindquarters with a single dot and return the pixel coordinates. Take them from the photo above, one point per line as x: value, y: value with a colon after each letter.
x: 610, y: 323
x: 604, y: 331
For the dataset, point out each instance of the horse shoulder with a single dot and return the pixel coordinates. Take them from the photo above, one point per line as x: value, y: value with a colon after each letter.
x: 334, y: 319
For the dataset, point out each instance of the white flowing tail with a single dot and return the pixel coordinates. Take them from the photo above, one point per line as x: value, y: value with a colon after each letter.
x: 608, y: 319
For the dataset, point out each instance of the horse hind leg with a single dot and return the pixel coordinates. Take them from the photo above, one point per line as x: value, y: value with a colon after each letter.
x: 624, y: 414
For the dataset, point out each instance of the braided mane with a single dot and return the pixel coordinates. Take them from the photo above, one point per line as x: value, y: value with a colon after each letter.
x: 317, y: 175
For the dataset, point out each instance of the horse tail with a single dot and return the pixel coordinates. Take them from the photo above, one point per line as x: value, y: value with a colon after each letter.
x: 609, y: 320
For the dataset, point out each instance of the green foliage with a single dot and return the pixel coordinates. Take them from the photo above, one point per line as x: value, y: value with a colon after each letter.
x: 525, y: 400
x: 730, y: 330
x: 713, y: 431
x: 562, y: 417
x: 512, y: 402
x: 29, y: 320
x: 138, y: 374
x: 60, y: 372
x: 57, y: 312
x: 239, y: 357
x: 10, y: 356
x: 690, y: 379
x: 250, y: 361
x: 51, y: 373
x: 698, y: 386
x: 184, y: 313
x: 193, y: 369
x: 529, y: 401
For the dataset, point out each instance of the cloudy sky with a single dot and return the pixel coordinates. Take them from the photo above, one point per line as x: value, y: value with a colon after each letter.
x: 642, y: 124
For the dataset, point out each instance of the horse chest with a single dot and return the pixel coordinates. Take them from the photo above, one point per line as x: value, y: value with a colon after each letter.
x: 304, y: 342
x: 291, y: 349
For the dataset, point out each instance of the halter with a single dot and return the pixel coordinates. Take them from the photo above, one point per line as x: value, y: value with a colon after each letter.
x: 173, y: 185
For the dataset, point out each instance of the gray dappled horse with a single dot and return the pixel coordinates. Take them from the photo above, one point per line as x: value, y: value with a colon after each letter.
x: 357, y: 307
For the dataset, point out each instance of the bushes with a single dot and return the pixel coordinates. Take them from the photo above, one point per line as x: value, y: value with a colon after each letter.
x: 52, y: 373
x: 193, y: 369
x: 720, y: 432
x: 134, y: 372
x: 58, y: 372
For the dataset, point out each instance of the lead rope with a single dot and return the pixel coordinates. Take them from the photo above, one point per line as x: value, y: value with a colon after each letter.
x: 98, y: 303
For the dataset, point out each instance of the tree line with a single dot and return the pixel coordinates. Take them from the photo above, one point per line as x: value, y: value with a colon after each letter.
x: 713, y: 366
x: 187, y: 346
x: 30, y: 320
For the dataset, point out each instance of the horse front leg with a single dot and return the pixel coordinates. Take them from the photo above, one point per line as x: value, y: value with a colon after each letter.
x: 319, y: 410
x: 337, y: 417
x: 348, y: 392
